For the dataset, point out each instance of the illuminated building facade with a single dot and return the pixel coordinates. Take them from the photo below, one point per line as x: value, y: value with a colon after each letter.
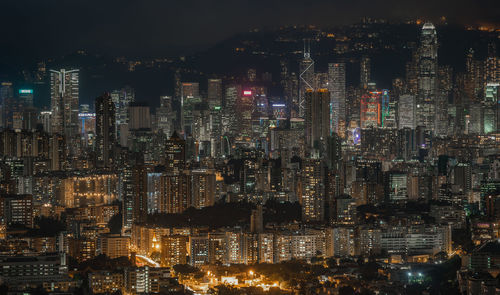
x: 113, y: 245
x: 370, y: 112
x: 313, y: 190
x: 427, y: 77
x: 64, y: 91
x: 306, y: 79
x: 174, y: 250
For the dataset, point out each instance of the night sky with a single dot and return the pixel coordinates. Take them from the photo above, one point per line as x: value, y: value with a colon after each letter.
x: 43, y: 28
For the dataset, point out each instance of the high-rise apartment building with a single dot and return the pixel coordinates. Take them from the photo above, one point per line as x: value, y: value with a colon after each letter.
x: 313, y: 190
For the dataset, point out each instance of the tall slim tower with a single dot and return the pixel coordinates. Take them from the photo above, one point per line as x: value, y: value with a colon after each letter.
x: 317, y: 120
x: 214, y: 93
x: 306, y: 77
x: 336, y: 87
x: 105, y: 130
x: 122, y: 99
x: 427, y: 77
x: 364, y: 72
x: 64, y: 92
x: 313, y: 192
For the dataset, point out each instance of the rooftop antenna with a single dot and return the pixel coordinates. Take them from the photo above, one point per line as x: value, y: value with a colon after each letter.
x: 307, y: 49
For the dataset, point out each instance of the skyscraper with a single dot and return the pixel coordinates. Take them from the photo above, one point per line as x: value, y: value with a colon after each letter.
x: 165, y: 115
x: 365, y: 70
x: 306, y: 78
x: 105, y: 130
x: 336, y: 87
x: 370, y: 110
x: 139, y: 116
x: 122, y: 99
x: 214, y: 93
x: 64, y: 93
x: 317, y: 120
x: 406, y: 112
x: 26, y: 97
x: 190, y: 98
x: 427, y: 77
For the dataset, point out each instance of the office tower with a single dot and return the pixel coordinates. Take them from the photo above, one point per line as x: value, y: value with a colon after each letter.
x: 214, y: 93
x: 6, y: 100
x: 246, y: 106
x: 336, y: 87
x: 384, y: 105
x: 105, y: 130
x: 306, y: 77
x: 122, y: 99
x: 317, y: 120
x: 313, y: 190
x: 473, y: 119
x: 64, y: 92
x: 406, y: 111
x: 190, y: 90
x: 190, y: 101
x: 165, y: 115
x: 216, y: 126
x: 427, y: 77
x: 491, y: 107
x: 230, y: 119
x: 364, y: 72
x: 46, y: 121
x: 370, y: 111
x: 87, y: 121
x: 6, y: 91
x: 26, y: 97
x: 139, y: 116
x: 492, y: 65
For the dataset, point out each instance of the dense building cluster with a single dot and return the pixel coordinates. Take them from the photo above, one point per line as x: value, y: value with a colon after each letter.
x: 223, y: 173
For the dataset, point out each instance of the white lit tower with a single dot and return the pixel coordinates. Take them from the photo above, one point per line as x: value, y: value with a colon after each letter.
x: 306, y: 77
x: 122, y: 99
x: 336, y: 87
x: 427, y: 77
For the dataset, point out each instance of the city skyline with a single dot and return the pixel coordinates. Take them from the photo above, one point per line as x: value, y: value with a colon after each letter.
x: 361, y: 158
